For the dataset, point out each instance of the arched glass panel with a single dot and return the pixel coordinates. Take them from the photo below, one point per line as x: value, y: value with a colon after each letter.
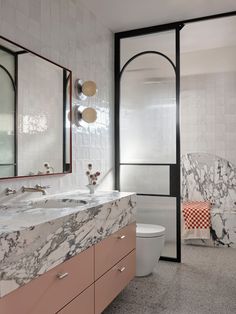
x: 148, y: 111
x: 148, y: 131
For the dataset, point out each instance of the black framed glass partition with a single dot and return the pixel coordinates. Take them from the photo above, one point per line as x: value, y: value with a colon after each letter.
x: 147, y: 128
x: 147, y: 123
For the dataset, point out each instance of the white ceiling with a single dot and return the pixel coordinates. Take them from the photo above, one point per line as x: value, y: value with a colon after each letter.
x: 120, y: 15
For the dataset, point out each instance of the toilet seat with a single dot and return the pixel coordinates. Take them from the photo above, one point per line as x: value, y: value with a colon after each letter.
x: 149, y: 231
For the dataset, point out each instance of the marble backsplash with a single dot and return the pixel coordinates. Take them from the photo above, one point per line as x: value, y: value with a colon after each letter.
x: 212, y: 178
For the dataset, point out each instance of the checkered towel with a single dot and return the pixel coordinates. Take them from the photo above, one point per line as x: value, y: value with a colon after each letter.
x: 197, y: 220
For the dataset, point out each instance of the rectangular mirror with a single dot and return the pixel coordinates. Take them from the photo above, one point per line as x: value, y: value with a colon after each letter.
x: 35, y: 109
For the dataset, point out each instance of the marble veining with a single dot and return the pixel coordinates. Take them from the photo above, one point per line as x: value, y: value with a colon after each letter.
x: 35, y: 241
x: 212, y: 178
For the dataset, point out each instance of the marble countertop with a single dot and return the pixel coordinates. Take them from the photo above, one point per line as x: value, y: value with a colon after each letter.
x: 19, y: 215
x: 39, y: 234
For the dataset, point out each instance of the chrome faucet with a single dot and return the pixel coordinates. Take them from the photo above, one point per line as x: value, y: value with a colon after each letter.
x: 37, y: 188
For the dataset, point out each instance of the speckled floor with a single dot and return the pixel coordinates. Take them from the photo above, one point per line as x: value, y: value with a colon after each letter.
x: 205, y: 282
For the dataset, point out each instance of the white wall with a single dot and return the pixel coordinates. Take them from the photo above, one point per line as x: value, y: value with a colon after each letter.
x: 67, y: 33
x: 208, y: 115
x: 208, y: 103
x: 215, y: 60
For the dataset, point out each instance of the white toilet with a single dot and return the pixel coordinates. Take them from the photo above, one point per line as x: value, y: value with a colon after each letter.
x: 149, y: 244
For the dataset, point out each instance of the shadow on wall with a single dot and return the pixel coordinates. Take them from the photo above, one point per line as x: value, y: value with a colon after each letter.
x: 212, y: 178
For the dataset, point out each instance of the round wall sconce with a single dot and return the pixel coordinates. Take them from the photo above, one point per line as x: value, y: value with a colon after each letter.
x: 85, y: 89
x: 89, y: 115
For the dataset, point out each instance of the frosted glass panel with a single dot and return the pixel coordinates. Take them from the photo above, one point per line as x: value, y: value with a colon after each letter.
x: 160, y: 211
x: 6, y: 141
x: 163, y: 42
x: 147, y: 128
x: 6, y: 171
x: 145, y: 179
x: 148, y: 111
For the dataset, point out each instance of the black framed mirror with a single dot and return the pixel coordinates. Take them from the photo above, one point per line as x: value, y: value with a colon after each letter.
x: 35, y: 114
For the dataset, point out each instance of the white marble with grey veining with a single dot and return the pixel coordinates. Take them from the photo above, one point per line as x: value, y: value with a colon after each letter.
x: 211, y: 178
x: 37, y: 235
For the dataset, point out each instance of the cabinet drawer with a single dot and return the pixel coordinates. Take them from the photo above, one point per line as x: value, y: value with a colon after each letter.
x: 83, y: 304
x: 111, y: 250
x: 48, y: 293
x: 113, y: 282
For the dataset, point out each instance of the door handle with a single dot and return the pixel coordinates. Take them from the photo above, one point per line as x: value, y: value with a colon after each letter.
x: 62, y: 275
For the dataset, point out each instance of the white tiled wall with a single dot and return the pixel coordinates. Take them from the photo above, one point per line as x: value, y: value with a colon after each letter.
x: 67, y: 33
x: 40, y: 115
x: 208, y: 114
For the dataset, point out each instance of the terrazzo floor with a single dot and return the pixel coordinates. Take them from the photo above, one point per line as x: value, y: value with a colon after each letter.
x: 205, y: 282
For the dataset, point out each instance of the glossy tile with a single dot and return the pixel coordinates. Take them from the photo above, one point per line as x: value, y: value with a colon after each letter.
x: 69, y: 34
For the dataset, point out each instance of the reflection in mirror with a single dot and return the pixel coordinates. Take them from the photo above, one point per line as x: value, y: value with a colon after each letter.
x: 7, y: 116
x: 35, y: 100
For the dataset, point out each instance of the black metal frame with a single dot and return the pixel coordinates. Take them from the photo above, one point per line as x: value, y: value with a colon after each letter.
x: 67, y: 83
x: 67, y: 168
x: 168, y: 26
x: 15, y: 117
x: 64, y: 120
x: 14, y: 85
x: 174, y: 168
x: 9, y: 74
x: 178, y: 149
x: 175, y: 185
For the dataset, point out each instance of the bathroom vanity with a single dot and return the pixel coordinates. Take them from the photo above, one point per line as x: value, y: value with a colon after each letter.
x: 68, y: 254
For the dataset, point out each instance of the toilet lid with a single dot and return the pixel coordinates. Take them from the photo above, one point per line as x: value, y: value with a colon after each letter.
x: 149, y: 231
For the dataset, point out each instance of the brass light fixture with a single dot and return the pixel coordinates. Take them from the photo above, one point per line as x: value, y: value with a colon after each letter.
x: 85, y: 89
x: 82, y: 91
x: 89, y: 115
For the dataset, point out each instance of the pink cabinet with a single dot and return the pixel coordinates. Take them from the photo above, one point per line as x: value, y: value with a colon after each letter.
x: 53, y: 290
x: 111, y: 250
x: 113, y: 282
x: 83, y: 304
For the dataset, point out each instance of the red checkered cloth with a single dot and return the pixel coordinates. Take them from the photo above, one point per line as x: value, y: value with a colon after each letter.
x: 197, y: 215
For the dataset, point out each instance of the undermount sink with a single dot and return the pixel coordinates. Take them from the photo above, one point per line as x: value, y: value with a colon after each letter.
x: 27, y: 214
x: 57, y: 203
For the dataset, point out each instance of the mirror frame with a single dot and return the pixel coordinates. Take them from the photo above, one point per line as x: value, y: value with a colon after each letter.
x: 69, y: 116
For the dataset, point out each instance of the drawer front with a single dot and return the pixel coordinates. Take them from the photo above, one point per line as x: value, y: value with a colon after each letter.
x: 113, y: 282
x: 111, y: 250
x: 83, y: 304
x: 53, y: 290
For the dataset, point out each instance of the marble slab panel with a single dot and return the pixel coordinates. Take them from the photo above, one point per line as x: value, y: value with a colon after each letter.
x: 212, y: 178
